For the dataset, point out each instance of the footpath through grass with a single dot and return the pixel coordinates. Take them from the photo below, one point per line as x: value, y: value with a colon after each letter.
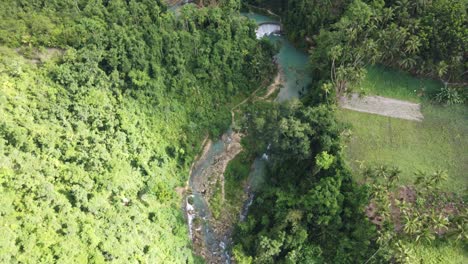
x: 440, y: 141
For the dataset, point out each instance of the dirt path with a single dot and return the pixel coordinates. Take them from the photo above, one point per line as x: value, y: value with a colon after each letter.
x: 276, y: 85
x: 383, y: 106
x: 252, y: 95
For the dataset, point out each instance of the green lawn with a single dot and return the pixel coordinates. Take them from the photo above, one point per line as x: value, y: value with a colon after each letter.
x: 440, y: 141
x: 396, y: 84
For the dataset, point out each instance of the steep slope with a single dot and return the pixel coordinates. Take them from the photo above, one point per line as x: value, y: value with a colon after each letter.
x: 95, y: 138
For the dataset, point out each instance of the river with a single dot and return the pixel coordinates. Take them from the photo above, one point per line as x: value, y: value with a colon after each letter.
x: 214, y: 245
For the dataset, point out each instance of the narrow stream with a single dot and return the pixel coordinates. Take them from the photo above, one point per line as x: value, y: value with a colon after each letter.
x: 196, y: 206
x: 293, y: 64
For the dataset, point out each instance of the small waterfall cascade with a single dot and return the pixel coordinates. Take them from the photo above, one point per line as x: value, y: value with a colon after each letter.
x: 266, y: 29
x: 196, y: 207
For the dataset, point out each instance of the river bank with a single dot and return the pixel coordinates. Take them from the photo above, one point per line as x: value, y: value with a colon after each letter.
x: 210, y: 234
x: 210, y: 216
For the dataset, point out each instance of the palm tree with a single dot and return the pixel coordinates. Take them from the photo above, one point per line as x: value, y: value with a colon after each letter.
x: 420, y: 5
x: 327, y: 88
x: 393, y: 176
x: 413, y: 225
x: 426, y: 235
x: 387, y: 15
x: 403, y: 253
x: 439, y: 223
x: 438, y: 177
x: 412, y: 44
x: 442, y: 69
x: 460, y: 232
x: 407, y: 63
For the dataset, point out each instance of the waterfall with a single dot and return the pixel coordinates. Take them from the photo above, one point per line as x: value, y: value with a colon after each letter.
x: 190, y: 214
x: 267, y: 29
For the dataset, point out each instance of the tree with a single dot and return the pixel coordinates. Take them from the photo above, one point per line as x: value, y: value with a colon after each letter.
x: 309, y: 209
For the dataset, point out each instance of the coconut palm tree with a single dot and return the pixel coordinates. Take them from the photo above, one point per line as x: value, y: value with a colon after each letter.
x: 437, y: 178
x: 407, y: 63
x: 439, y: 223
x: 412, y: 45
x: 413, y: 225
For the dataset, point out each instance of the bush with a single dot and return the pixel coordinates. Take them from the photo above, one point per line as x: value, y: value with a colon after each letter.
x: 450, y: 95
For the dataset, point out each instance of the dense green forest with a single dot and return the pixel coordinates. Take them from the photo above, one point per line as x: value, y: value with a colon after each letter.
x: 311, y: 209
x: 426, y: 38
x: 103, y: 105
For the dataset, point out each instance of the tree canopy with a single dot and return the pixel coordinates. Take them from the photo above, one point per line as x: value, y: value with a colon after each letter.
x: 310, y: 209
x: 103, y: 105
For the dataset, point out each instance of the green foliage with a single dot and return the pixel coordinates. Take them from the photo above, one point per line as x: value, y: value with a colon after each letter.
x: 94, y: 141
x: 291, y: 128
x: 438, y: 252
x: 303, y: 214
x: 450, y: 96
x: 324, y: 160
x: 410, y: 216
x: 240, y: 257
x: 421, y: 38
x: 235, y: 178
x: 236, y: 172
x: 305, y: 18
x: 216, y: 201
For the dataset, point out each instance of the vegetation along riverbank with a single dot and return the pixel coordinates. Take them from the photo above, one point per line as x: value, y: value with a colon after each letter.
x: 146, y: 131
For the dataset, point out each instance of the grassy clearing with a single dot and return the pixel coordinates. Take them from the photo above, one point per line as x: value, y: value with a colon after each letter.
x: 440, y: 141
x: 438, y: 252
x: 396, y: 84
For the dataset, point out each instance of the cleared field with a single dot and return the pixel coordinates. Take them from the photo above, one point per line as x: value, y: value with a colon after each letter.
x: 440, y: 141
x: 396, y: 84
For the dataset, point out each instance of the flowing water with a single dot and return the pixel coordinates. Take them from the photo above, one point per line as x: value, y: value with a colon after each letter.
x: 292, y: 61
x: 196, y: 206
x: 293, y: 64
x: 267, y: 29
x: 255, y: 181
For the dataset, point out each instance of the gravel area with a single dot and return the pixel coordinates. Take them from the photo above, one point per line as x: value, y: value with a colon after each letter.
x: 382, y: 106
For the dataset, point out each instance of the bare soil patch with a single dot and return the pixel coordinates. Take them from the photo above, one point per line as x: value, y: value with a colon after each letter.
x: 276, y: 85
x: 382, y: 106
x: 37, y: 56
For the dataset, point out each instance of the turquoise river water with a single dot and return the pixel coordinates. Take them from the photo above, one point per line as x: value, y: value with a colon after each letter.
x: 293, y: 66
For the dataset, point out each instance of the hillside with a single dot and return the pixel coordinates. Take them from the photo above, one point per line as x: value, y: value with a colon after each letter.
x: 94, y: 138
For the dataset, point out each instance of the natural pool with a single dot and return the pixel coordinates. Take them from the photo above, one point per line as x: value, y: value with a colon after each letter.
x: 292, y: 62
